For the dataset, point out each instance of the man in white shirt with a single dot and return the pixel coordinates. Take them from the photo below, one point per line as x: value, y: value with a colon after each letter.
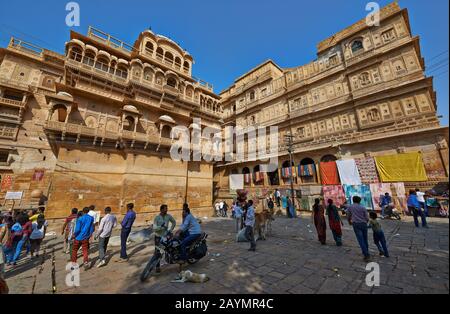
x: 249, y: 224
x: 422, y: 202
x: 96, y: 217
x: 107, y: 224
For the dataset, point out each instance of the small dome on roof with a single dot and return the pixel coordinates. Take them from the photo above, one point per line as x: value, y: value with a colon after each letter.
x: 65, y: 95
x: 167, y: 119
x: 130, y: 108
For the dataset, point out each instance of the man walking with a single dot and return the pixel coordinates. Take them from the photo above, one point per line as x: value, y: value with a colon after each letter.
x: 161, y: 227
x: 66, y: 229
x: 249, y: 224
x: 358, y: 218
x: 83, y: 231
x: 414, y: 207
x: 104, y: 233
x: 278, y: 198
x: 422, y: 202
x: 127, y: 223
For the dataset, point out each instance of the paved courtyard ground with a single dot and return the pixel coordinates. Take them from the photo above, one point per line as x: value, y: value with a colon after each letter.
x: 291, y: 260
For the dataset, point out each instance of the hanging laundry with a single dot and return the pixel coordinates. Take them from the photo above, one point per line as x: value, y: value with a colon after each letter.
x: 405, y: 167
x: 329, y: 173
x: 334, y: 192
x: 348, y: 172
x: 367, y: 170
x: 362, y: 191
x: 378, y: 190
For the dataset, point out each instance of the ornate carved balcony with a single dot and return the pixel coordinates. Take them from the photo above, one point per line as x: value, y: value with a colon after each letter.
x: 81, y: 130
x: 12, y: 103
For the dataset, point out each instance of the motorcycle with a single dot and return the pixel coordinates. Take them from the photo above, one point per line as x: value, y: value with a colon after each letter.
x: 169, y: 251
x: 391, y: 212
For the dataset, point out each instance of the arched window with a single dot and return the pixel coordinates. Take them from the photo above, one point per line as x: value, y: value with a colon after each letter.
x: 102, y: 63
x: 177, y: 62
x: 274, y: 179
x: 171, y: 81
x: 159, y: 53
x: 186, y: 66
x: 59, y: 113
x: 247, y: 176
x: 328, y: 158
x: 165, y: 132
x: 159, y: 78
x: 168, y: 58
x: 189, y: 91
x: 307, y: 170
x: 128, y: 123
x: 76, y: 54
x: 112, y: 67
x: 357, y: 45
x: 258, y: 176
x: 122, y: 71
x: 149, y: 47
x: 148, y: 74
x: 89, y: 58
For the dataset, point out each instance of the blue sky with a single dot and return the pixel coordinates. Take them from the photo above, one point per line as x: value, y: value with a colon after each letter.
x: 228, y: 37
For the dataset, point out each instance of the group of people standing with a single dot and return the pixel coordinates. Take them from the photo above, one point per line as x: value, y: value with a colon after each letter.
x: 358, y: 217
x: 21, y: 231
x: 79, y: 231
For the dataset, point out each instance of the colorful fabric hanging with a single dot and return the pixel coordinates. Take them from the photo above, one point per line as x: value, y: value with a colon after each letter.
x: 367, y: 170
x: 259, y: 176
x: 362, y: 191
x: 378, y: 190
x: 286, y: 172
x: 306, y: 170
x: 348, y: 172
x: 334, y: 192
x: 329, y: 173
x: 247, y: 178
x: 405, y: 167
x: 399, y: 197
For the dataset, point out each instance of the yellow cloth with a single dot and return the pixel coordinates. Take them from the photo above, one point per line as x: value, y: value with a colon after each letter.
x: 34, y: 218
x: 407, y: 167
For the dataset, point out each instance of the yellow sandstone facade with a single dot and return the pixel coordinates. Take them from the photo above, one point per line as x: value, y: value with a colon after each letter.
x: 96, y: 122
x: 366, y: 94
x: 93, y: 126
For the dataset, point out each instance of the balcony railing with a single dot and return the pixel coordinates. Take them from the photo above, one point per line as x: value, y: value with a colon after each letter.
x: 11, y: 102
x: 26, y: 47
x: 79, y: 129
x: 109, y: 40
x: 87, y: 63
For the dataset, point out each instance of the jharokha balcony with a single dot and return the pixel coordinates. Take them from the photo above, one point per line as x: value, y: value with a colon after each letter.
x: 101, y: 135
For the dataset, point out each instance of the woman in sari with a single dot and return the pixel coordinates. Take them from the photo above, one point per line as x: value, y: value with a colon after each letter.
x: 319, y: 221
x: 335, y: 222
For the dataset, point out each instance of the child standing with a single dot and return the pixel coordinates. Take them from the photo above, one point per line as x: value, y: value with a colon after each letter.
x: 378, y: 234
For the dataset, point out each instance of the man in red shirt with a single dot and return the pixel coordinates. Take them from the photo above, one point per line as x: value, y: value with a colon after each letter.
x: 65, y: 229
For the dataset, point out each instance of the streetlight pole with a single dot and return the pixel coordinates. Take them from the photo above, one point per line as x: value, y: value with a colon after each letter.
x: 289, y: 139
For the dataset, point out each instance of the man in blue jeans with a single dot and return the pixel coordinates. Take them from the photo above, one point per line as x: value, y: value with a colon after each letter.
x: 190, y: 228
x: 358, y: 218
x: 127, y: 223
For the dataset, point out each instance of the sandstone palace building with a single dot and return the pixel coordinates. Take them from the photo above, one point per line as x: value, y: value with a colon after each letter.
x: 93, y: 126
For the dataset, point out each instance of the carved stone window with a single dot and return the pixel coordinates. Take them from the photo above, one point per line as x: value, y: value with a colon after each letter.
x: 388, y: 35
x: 373, y: 115
x: 252, y: 95
x: 357, y: 46
x: 301, y: 132
x: 364, y: 78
